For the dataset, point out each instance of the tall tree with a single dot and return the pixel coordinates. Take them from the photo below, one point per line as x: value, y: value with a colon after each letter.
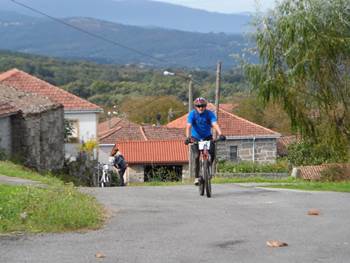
x: 304, y: 49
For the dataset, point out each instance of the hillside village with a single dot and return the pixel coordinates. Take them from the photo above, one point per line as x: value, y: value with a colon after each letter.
x: 120, y: 143
x: 143, y: 146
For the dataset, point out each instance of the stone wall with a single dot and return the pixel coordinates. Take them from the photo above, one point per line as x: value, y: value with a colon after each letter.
x: 5, y: 134
x: 264, y: 150
x: 38, y: 139
x: 135, y: 174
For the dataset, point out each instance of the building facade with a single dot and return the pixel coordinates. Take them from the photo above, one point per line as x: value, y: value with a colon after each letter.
x: 35, y: 129
x: 81, y: 114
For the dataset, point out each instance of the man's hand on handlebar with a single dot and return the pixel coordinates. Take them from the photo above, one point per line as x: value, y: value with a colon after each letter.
x: 222, y: 138
x: 188, y: 140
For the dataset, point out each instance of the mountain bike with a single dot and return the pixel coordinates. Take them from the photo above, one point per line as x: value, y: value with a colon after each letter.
x: 103, y: 174
x: 205, y: 168
x: 205, y: 165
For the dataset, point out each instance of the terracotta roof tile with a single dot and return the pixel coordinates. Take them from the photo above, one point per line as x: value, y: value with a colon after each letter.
x: 134, y: 132
x: 28, y: 83
x: 163, y: 133
x: 313, y: 172
x: 230, y: 124
x: 154, y: 152
x: 112, y: 123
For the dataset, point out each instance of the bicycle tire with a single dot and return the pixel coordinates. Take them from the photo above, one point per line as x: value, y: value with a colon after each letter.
x: 201, y: 179
x: 207, y: 181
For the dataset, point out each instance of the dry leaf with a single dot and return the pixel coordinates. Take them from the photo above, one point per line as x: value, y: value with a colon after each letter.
x: 313, y: 212
x: 99, y: 255
x: 276, y: 243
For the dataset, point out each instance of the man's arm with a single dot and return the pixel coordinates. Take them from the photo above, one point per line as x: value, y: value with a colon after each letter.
x: 188, y: 130
x: 217, y: 128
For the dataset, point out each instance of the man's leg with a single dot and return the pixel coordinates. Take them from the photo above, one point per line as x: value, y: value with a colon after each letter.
x: 195, y: 152
x: 121, y: 177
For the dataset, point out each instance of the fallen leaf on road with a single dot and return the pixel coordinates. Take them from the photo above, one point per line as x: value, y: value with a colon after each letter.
x: 276, y: 243
x: 313, y: 212
x: 99, y: 255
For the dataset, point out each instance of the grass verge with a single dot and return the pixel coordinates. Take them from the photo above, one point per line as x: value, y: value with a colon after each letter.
x: 155, y: 183
x: 13, y: 170
x: 316, y: 186
x: 56, y: 207
x: 224, y: 180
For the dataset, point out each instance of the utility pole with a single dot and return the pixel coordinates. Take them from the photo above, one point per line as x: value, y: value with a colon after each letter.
x: 190, y: 94
x: 190, y: 106
x: 217, y: 91
x: 217, y: 105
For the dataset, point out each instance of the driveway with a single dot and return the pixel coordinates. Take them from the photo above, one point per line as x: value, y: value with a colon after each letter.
x: 175, y: 224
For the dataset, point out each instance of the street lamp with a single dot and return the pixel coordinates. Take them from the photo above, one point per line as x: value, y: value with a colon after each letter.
x: 190, y: 106
x: 190, y: 86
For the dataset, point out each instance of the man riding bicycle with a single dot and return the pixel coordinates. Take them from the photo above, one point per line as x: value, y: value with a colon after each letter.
x: 199, y: 124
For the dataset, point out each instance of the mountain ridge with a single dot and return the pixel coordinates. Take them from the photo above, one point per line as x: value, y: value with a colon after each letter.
x: 177, y: 48
x: 139, y: 13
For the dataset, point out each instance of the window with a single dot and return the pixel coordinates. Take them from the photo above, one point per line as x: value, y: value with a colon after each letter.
x: 233, y: 153
x: 72, y: 131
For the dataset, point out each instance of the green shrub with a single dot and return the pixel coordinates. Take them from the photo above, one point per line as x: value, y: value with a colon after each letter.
x: 162, y: 174
x: 308, y: 153
x: 253, y: 167
x: 336, y: 173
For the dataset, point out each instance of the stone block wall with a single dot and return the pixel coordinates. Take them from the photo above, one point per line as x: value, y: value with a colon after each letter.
x: 38, y: 139
x: 52, y: 139
x: 264, y: 150
x: 5, y: 134
x: 135, y: 174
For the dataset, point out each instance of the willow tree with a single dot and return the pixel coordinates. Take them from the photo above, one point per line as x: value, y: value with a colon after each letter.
x: 304, y: 50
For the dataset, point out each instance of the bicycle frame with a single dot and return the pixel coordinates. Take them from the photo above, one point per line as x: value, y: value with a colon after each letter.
x: 205, y: 167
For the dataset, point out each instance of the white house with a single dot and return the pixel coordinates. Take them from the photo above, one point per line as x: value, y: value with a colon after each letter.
x: 82, y: 114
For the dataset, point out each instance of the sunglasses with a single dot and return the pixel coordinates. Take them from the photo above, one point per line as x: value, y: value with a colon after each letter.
x: 201, y: 106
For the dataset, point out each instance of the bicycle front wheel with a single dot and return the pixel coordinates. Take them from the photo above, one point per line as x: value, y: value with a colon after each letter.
x: 201, y: 179
x: 207, y: 178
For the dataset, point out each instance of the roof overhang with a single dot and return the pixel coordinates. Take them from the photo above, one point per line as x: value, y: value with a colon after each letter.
x: 8, y: 114
x: 158, y: 163
x: 81, y: 111
x: 106, y: 145
x: 252, y: 137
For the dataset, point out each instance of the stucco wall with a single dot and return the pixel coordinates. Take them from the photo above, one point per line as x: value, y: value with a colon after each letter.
x: 104, y: 153
x: 87, y: 124
x: 5, y: 134
x: 258, y: 150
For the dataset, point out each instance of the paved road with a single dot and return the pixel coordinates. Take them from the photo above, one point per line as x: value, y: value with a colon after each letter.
x: 174, y: 224
x: 17, y: 181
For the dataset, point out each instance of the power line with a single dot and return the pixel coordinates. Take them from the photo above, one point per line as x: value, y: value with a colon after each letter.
x: 89, y: 33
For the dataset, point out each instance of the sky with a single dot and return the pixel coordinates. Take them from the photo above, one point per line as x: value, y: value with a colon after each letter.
x: 225, y: 6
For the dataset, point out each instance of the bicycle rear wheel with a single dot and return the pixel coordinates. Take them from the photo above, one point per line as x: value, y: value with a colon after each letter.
x: 207, y: 177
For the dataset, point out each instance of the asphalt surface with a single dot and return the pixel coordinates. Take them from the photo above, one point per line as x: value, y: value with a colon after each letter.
x: 175, y: 224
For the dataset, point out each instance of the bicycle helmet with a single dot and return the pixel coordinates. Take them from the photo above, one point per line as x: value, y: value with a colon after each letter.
x: 200, y: 101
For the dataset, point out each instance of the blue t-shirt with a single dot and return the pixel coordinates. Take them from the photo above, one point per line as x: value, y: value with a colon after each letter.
x: 201, y: 124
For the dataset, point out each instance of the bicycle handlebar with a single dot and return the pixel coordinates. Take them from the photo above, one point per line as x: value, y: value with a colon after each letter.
x: 212, y: 140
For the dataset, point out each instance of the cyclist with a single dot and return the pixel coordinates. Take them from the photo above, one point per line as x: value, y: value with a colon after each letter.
x: 199, y: 124
x: 120, y: 164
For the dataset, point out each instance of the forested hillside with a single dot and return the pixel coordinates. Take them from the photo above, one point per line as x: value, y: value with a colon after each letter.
x: 109, y: 85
